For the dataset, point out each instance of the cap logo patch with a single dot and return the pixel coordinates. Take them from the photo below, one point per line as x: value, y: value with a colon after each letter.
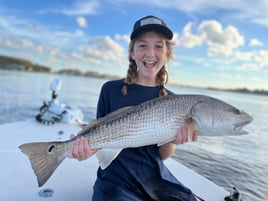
x: 150, y: 20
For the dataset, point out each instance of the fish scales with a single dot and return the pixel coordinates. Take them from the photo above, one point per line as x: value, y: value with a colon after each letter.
x: 127, y: 130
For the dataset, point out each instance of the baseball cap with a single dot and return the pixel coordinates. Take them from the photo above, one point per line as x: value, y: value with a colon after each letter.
x: 151, y: 23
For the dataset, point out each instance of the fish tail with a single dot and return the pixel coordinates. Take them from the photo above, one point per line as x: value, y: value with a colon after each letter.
x: 45, y: 157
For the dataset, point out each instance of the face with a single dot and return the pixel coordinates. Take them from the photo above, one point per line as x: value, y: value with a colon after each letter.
x: 150, y: 54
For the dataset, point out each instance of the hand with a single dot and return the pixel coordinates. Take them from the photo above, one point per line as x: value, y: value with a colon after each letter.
x: 80, y: 149
x: 186, y: 133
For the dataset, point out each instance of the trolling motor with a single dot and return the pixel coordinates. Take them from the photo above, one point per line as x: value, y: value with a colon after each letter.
x: 234, y: 196
x: 53, y: 111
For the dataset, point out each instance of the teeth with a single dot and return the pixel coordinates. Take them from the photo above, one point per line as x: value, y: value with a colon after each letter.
x: 151, y: 63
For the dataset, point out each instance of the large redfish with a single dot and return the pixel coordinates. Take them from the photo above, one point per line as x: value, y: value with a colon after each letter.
x: 152, y: 122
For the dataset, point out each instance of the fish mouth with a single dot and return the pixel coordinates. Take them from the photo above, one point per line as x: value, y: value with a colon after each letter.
x: 238, y: 128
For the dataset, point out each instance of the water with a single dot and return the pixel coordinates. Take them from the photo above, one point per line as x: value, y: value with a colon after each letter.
x: 240, y: 161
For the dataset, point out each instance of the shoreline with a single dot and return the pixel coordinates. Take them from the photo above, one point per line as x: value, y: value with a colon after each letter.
x: 16, y: 64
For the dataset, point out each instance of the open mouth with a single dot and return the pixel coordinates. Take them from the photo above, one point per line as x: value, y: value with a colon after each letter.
x: 149, y: 64
x: 239, y: 126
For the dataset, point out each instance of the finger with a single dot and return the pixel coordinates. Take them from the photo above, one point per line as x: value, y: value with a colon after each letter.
x: 195, y: 135
x: 190, y: 130
x: 184, y: 134
x: 81, y: 149
x: 88, y: 152
x: 70, y: 151
x: 181, y: 135
x: 76, y: 148
x: 84, y: 149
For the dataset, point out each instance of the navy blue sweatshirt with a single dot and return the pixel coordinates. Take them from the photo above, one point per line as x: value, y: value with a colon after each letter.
x: 137, y: 174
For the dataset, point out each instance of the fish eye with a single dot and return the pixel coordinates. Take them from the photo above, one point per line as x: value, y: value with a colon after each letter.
x: 236, y: 111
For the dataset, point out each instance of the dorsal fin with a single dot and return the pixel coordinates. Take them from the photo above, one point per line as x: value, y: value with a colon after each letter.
x: 103, y: 119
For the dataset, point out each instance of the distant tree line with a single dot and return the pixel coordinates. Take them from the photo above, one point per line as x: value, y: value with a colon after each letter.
x: 11, y: 63
x: 86, y: 74
x: 242, y: 90
x: 19, y: 64
x: 245, y: 90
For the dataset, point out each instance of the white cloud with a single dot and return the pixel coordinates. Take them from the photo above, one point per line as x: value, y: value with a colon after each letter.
x: 243, y: 10
x: 255, y: 79
x: 243, y: 56
x: 60, y: 49
x: 230, y: 76
x: 176, y: 39
x: 124, y: 38
x: 220, y: 41
x: 255, y: 42
x: 77, y: 9
x: 262, y: 58
x: 265, y: 67
x: 104, y: 49
x: 82, y: 22
x: 219, y: 51
x: 188, y: 39
x: 14, y: 43
x: 257, y: 61
x: 215, y: 34
x: 248, y: 67
x: 14, y: 28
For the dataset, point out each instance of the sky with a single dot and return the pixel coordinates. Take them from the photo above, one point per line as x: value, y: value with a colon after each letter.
x: 221, y: 43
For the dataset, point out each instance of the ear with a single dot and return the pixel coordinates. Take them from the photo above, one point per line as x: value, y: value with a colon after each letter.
x: 132, y: 56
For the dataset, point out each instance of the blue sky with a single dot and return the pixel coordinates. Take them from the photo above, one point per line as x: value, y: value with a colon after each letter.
x: 219, y: 43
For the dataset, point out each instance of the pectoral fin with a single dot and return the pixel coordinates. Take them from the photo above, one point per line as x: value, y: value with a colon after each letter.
x: 106, y: 156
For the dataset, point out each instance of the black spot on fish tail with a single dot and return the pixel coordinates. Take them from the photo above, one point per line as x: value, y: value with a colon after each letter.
x: 50, y: 148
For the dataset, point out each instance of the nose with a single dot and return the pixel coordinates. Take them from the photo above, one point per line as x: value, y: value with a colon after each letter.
x: 150, y: 52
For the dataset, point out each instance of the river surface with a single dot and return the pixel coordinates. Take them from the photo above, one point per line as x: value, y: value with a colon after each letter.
x: 239, y: 161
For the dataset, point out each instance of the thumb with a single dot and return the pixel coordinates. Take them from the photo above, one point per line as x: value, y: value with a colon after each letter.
x: 72, y: 136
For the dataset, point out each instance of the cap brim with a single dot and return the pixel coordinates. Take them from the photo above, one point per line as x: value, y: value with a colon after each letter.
x: 166, y: 32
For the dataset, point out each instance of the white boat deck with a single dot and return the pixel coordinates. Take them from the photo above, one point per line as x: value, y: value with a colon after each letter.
x: 72, y: 180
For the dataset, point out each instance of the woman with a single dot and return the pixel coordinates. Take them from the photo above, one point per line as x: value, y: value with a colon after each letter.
x: 139, y: 173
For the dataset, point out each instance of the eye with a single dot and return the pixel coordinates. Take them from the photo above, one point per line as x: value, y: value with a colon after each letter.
x: 236, y: 111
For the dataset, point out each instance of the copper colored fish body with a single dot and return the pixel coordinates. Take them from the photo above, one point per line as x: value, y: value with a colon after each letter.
x: 153, y: 122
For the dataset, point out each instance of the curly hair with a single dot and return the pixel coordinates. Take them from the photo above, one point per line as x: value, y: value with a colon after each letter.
x: 132, y: 73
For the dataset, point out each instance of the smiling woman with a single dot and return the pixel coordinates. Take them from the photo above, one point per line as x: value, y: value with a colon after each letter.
x: 141, y: 169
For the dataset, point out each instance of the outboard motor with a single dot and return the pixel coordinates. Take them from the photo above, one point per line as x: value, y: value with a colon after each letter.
x: 53, y: 111
x: 234, y: 196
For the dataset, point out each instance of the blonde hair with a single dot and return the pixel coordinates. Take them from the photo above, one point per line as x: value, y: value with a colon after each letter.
x: 132, y: 73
